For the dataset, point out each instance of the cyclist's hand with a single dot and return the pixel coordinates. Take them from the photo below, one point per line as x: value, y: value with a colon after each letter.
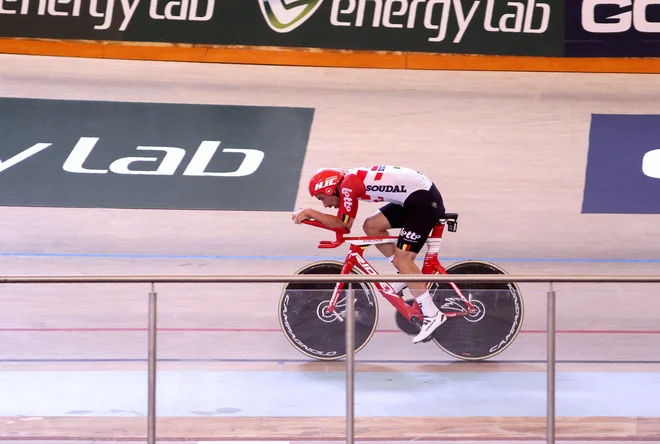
x: 300, y: 215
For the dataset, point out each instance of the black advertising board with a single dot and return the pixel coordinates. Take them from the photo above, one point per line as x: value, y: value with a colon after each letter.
x: 612, y: 28
x: 524, y: 27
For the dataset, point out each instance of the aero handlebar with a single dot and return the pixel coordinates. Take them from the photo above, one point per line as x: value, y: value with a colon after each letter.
x: 339, y: 232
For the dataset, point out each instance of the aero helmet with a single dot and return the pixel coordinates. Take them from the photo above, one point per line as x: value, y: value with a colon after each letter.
x: 325, y: 181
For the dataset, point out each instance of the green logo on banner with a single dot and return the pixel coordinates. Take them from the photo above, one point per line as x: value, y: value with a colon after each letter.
x: 287, y: 15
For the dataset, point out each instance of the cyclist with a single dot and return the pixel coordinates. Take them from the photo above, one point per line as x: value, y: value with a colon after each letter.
x: 414, y: 204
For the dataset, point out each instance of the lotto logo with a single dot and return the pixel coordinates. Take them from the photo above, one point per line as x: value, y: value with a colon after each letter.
x: 410, y: 235
x: 348, y: 202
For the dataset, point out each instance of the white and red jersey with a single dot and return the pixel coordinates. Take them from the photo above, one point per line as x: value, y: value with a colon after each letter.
x: 380, y: 183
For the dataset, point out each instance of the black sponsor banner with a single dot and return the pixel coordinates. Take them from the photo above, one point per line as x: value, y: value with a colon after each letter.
x: 613, y: 28
x: 523, y: 27
x: 151, y: 155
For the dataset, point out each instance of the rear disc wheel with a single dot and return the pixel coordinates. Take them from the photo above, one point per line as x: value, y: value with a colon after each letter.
x: 494, y: 326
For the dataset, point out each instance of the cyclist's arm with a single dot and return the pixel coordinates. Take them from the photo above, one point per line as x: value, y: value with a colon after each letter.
x: 329, y: 220
x: 350, y: 190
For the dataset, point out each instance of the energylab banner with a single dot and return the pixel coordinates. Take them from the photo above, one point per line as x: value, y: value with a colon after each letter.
x: 612, y: 28
x: 523, y: 27
x: 96, y: 154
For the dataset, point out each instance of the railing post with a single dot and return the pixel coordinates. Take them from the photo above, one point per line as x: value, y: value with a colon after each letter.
x: 350, y: 364
x: 551, y: 366
x: 151, y: 396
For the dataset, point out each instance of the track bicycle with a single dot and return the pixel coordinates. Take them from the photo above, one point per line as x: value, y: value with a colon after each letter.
x: 484, y: 318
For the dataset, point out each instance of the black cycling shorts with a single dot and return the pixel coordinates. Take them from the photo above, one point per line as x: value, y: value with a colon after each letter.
x: 420, y: 212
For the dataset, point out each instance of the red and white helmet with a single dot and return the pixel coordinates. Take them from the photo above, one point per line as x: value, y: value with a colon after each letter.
x: 325, y: 181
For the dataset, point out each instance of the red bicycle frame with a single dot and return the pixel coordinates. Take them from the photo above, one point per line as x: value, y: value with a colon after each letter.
x: 355, y: 258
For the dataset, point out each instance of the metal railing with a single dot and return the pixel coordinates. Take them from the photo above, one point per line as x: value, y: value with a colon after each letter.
x: 350, y: 358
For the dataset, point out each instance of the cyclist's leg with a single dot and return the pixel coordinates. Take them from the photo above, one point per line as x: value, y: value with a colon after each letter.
x: 387, y: 217
x: 404, y: 261
x: 423, y: 209
x: 433, y: 317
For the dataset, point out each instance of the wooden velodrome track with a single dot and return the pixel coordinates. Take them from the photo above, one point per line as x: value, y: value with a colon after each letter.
x: 508, y: 151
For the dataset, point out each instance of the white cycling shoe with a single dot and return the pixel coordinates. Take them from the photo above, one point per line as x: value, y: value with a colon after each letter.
x: 429, y: 326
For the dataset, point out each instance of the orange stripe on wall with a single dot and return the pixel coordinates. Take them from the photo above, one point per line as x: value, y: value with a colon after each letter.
x: 322, y: 57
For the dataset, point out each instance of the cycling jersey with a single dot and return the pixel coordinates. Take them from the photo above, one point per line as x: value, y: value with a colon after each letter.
x: 414, y: 203
x: 380, y: 183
